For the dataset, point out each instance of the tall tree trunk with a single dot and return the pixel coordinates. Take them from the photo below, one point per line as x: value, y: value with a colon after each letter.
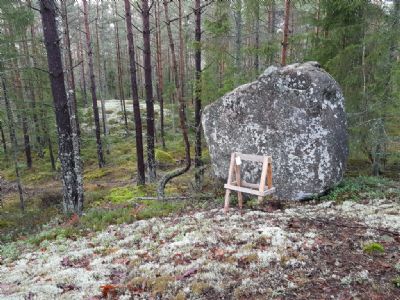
x: 100, y: 155
x: 285, y: 42
x: 3, y: 139
x: 13, y: 138
x: 30, y: 91
x: 197, y: 108
x: 81, y: 54
x: 135, y: 98
x: 70, y: 71
x: 167, y: 177
x: 257, y: 38
x: 160, y: 75
x: 120, y: 70
x: 181, y: 51
x: 149, y: 90
x: 101, y: 88
x: 21, y: 105
x: 318, y: 17
x: 238, y: 38
x: 42, y: 110
x: 72, y: 178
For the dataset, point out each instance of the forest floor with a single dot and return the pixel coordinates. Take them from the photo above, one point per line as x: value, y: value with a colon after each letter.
x: 313, y: 251
x: 343, y: 245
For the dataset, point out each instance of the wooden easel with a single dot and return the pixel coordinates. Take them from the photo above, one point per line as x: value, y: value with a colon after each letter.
x: 261, y: 190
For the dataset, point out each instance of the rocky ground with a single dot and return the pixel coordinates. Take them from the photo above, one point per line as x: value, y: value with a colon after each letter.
x: 304, y: 252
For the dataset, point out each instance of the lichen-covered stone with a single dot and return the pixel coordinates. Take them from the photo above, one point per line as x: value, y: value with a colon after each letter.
x: 296, y: 115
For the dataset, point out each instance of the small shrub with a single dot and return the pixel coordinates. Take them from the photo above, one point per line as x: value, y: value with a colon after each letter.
x: 373, y: 248
x: 96, y: 173
x: 396, y: 281
x: 9, y: 251
x: 362, y: 187
x: 163, y: 157
x: 122, y: 194
x: 50, y: 198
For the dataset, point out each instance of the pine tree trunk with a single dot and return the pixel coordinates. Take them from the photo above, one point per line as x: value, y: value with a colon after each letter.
x: 182, y: 118
x: 120, y: 72
x: 160, y: 75
x: 70, y: 72
x: 135, y: 98
x: 83, y: 74
x: 149, y: 90
x: 101, y: 89
x: 13, y: 138
x: 30, y: 90
x: 3, y: 139
x: 46, y: 140
x: 72, y: 179
x: 21, y: 106
x: 181, y: 51
x: 285, y: 42
x: 257, y: 39
x: 197, y: 108
x: 238, y: 38
x: 100, y: 155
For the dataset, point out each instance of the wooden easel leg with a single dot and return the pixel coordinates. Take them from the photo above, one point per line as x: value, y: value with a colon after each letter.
x: 260, y: 199
x: 227, y: 195
x: 239, y: 183
x: 230, y: 175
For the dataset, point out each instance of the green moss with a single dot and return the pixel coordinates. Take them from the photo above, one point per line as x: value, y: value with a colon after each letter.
x: 123, y: 194
x: 199, y: 288
x: 363, y: 187
x: 164, y: 157
x: 9, y: 251
x: 96, y: 173
x: 373, y: 248
x: 396, y: 281
x: 158, y: 209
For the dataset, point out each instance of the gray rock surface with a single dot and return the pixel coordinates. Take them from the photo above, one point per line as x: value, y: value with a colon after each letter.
x: 296, y: 115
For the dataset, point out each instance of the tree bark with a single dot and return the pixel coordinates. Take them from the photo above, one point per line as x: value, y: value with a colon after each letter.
x: 100, y: 155
x: 70, y: 71
x: 181, y: 51
x: 30, y: 90
x: 21, y: 106
x: 3, y: 139
x: 197, y: 108
x: 141, y: 179
x: 13, y: 138
x: 46, y: 140
x: 167, y: 177
x: 285, y: 33
x: 238, y: 38
x: 120, y: 70
x: 72, y: 178
x: 160, y: 75
x: 257, y: 38
x: 149, y: 90
x: 83, y: 73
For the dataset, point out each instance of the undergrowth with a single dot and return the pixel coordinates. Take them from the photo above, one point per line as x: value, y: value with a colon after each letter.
x: 363, y: 187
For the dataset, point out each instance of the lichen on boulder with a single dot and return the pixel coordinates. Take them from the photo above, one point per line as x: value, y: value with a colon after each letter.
x: 293, y: 113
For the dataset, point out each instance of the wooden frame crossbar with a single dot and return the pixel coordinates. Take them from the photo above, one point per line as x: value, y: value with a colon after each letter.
x: 261, y: 190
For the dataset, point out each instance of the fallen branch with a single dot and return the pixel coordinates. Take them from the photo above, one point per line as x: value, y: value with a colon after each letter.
x: 175, y: 197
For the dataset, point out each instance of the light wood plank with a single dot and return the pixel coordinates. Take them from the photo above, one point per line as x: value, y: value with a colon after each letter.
x: 230, y: 175
x: 238, y: 183
x: 249, y: 191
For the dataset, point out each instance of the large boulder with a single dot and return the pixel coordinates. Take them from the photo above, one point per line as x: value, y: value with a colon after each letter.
x: 296, y: 115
